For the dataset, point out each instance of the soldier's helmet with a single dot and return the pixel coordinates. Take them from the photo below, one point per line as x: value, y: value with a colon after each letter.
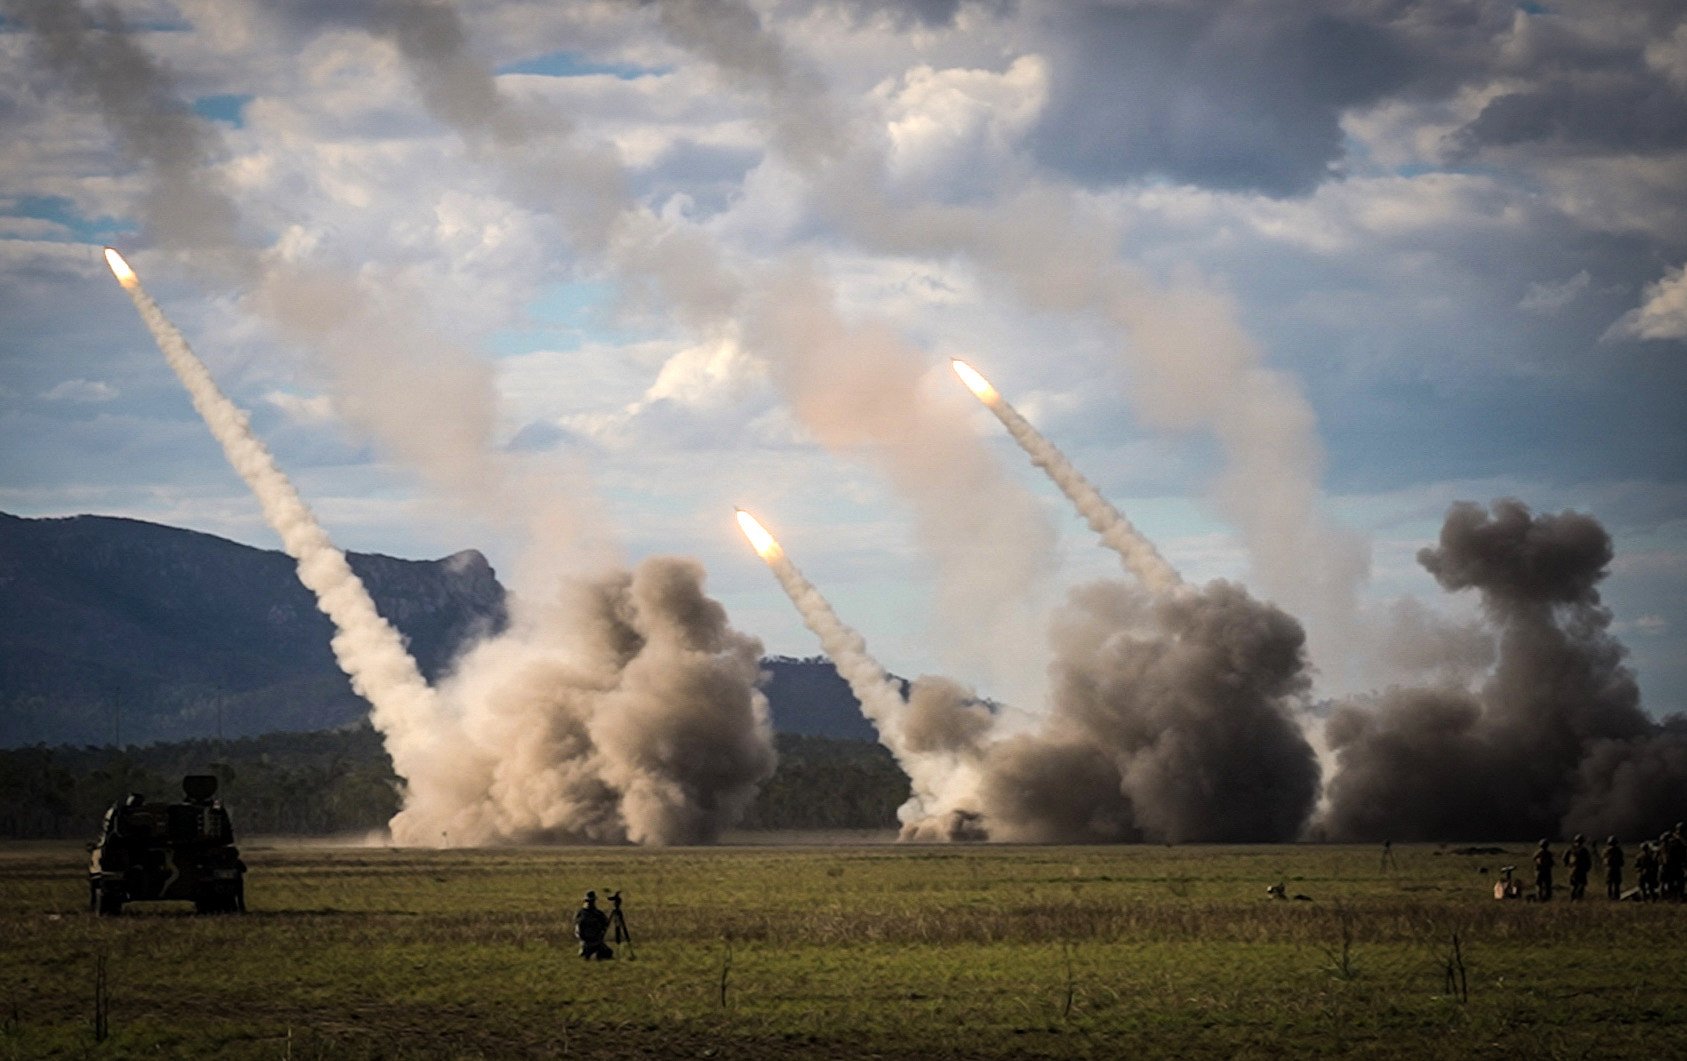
x: 1611, y: 840
x: 591, y: 897
x: 1541, y: 844
x: 1578, y: 838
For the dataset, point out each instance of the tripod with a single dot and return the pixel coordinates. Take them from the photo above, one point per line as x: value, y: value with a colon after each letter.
x: 618, y: 922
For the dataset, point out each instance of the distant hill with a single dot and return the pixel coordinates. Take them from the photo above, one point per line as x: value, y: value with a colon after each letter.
x: 118, y: 630
x: 811, y: 699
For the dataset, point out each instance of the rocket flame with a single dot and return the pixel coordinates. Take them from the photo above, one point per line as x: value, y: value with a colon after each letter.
x: 764, y: 544
x: 976, y: 383
x: 119, y: 267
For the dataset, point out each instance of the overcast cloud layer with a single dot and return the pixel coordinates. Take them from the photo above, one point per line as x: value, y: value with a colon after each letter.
x: 1441, y: 248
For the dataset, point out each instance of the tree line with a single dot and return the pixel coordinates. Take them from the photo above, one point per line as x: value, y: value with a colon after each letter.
x: 341, y: 781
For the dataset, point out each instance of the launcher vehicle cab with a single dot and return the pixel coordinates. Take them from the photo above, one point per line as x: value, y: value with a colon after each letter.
x: 183, y: 851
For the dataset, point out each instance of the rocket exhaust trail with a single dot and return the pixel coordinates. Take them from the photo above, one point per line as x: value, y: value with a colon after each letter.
x: 881, y: 699
x: 1117, y: 532
x: 879, y: 696
x: 365, y: 645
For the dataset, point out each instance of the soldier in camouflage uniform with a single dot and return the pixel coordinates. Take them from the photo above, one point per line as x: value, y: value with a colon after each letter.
x: 1646, y: 871
x: 1543, y: 871
x: 1613, y: 859
x: 1672, y: 865
x: 1580, y: 861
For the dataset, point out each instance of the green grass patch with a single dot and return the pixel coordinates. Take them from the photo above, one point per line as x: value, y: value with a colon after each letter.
x: 846, y: 951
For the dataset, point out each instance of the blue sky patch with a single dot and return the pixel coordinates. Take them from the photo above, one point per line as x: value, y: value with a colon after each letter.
x: 61, y: 211
x: 572, y: 64
x: 227, y: 108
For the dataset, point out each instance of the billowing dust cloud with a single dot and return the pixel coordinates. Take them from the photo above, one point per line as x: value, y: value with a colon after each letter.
x: 628, y: 712
x: 1553, y: 740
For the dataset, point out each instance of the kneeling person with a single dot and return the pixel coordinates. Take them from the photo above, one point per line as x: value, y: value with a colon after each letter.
x: 590, y: 926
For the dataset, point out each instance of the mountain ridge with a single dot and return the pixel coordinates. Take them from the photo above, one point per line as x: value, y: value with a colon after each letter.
x: 121, y: 631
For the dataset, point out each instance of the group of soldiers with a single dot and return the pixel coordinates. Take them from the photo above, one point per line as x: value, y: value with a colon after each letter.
x: 1660, y: 867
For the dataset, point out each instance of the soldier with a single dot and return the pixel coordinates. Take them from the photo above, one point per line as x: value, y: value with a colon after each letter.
x: 1646, y: 871
x: 590, y: 924
x: 1543, y: 871
x: 1580, y: 861
x: 1672, y: 865
x: 1612, y: 856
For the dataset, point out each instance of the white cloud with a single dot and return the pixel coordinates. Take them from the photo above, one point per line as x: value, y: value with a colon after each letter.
x: 81, y: 390
x: 1662, y: 313
x: 318, y: 409
x: 956, y: 130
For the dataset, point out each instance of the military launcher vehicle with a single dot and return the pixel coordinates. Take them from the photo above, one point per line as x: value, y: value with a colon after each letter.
x: 179, y: 851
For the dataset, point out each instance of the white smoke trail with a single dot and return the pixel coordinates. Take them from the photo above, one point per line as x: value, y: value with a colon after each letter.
x: 372, y: 653
x: 1117, y: 532
x: 881, y: 700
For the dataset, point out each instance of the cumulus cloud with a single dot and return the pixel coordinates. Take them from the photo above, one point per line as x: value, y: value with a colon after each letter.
x: 1661, y: 315
x: 1581, y: 82
x: 952, y: 130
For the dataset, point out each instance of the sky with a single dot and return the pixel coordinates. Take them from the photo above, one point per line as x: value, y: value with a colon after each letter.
x: 568, y: 282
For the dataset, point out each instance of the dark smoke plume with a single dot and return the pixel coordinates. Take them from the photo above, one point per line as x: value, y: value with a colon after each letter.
x: 1172, y: 719
x: 1554, y: 740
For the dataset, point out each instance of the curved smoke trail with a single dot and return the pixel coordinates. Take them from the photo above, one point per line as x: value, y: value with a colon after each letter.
x: 1117, y: 532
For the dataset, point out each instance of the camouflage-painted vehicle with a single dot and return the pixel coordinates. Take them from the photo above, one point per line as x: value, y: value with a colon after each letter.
x: 179, y: 851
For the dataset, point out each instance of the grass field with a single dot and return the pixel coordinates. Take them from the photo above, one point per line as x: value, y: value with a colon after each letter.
x: 841, y: 951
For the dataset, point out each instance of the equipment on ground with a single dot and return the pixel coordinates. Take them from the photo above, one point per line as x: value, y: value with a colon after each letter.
x: 1508, y: 887
x: 618, y: 921
x: 179, y: 851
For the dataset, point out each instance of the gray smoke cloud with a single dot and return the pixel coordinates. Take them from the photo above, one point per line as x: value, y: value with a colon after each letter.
x: 182, y: 200
x: 1172, y: 719
x: 652, y: 729
x: 1553, y: 740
